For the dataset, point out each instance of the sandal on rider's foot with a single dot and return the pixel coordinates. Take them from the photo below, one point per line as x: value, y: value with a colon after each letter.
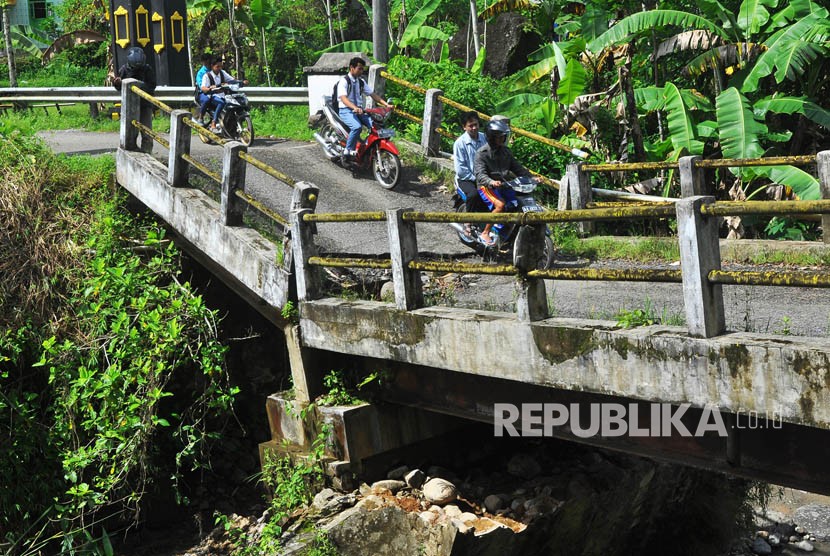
x: 486, y: 240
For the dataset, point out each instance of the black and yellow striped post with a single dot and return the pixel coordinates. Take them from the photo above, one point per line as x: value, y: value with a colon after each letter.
x: 160, y: 28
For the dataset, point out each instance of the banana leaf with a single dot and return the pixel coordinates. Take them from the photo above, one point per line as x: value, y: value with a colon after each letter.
x: 738, y: 129
x: 572, y: 83
x: 478, y: 65
x: 650, y: 98
x: 789, y: 50
x: 753, y: 15
x: 707, y: 129
x: 263, y: 13
x: 680, y: 125
x: 518, y: 104
x: 804, y: 185
x: 418, y: 21
x: 793, y: 105
x: 350, y: 46
x: 646, y: 21
x: 694, y: 100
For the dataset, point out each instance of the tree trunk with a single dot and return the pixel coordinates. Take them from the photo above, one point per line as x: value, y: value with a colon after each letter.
x: 329, y: 21
x: 631, y: 111
x: 237, y: 52
x: 7, y: 35
x: 474, y: 25
x: 380, y: 23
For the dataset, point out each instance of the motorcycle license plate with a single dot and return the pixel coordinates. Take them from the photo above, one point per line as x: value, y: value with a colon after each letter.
x: 532, y: 208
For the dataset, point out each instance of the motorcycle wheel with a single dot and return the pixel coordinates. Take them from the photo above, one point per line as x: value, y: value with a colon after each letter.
x: 328, y: 134
x: 468, y: 241
x: 245, y: 131
x: 545, y: 260
x: 387, y: 168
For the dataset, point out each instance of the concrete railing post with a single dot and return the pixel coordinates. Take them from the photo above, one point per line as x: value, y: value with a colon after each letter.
x: 532, y: 299
x: 579, y: 191
x: 177, y: 167
x: 700, y: 254
x: 403, y: 249
x: 433, y: 114
x: 307, y: 279
x: 823, y: 165
x: 377, y: 82
x: 233, y: 178
x: 130, y: 110
x: 692, y: 178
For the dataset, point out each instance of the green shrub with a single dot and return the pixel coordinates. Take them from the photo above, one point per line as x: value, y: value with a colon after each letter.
x: 97, y: 337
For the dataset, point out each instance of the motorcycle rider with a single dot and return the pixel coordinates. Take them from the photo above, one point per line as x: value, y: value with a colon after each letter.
x: 464, y: 152
x: 202, y: 98
x: 492, y: 164
x: 137, y: 68
x: 351, y: 92
x: 212, y: 86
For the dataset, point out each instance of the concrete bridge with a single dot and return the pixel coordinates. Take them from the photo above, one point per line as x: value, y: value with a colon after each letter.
x: 753, y: 405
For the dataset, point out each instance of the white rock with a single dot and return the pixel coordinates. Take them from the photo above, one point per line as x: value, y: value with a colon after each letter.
x: 439, y: 491
x: 468, y: 517
x: 388, y: 484
x: 773, y: 540
x: 806, y: 546
x: 429, y: 517
x: 800, y: 530
x: 461, y: 526
x: 451, y: 510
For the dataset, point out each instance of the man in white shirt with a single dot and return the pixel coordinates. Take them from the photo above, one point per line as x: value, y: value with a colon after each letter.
x: 351, y: 92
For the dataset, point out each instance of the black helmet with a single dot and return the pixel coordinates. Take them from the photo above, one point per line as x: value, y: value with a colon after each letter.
x: 497, y: 128
x: 136, y: 57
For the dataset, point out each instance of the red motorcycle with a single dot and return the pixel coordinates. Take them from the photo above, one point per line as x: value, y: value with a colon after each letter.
x: 377, y: 151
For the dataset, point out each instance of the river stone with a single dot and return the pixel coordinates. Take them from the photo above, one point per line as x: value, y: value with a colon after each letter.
x: 389, y: 484
x: 493, y: 503
x: 524, y: 466
x: 439, y: 491
x: 322, y: 497
x: 397, y: 473
x: 806, y: 546
x: 415, y: 478
x: 387, y: 292
x: 815, y: 518
x: 760, y: 546
x: 451, y: 510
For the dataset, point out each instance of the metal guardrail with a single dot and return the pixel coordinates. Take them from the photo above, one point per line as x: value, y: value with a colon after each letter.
x: 176, y: 95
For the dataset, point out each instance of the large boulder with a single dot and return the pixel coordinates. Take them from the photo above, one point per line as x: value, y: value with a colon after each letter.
x: 508, y: 45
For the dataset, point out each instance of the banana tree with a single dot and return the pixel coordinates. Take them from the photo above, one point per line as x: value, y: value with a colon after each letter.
x: 793, y: 48
x: 415, y: 31
x: 7, y: 37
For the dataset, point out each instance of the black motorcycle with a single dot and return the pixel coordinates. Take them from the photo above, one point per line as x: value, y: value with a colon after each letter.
x: 235, y: 119
x: 507, y: 234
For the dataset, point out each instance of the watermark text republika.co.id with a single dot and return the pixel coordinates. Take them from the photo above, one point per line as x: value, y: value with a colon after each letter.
x: 615, y: 419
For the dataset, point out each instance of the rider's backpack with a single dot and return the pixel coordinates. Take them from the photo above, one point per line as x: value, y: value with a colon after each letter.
x: 335, y: 101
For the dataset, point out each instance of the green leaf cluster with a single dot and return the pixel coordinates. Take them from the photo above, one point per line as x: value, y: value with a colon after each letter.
x: 114, y: 357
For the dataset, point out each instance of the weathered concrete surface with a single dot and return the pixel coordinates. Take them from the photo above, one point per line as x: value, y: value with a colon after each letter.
x: 777, y: 376
x: 241, y: 252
